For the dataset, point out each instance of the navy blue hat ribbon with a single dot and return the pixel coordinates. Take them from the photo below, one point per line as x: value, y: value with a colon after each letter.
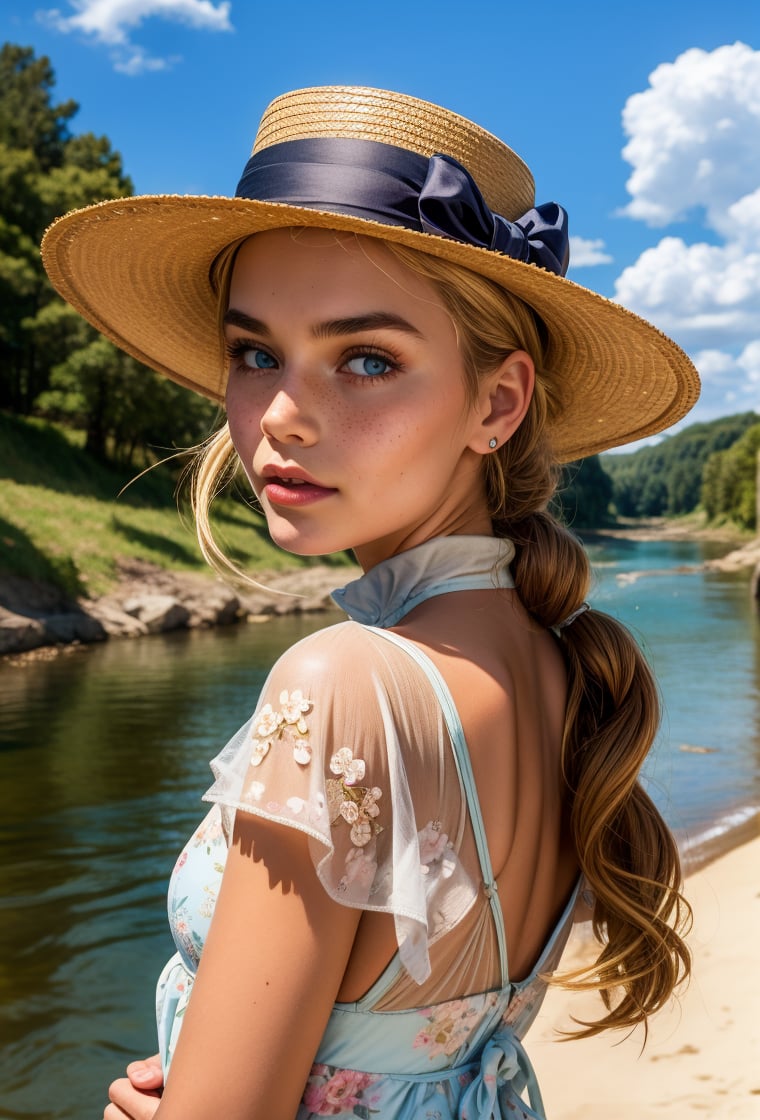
x: 384, y: 183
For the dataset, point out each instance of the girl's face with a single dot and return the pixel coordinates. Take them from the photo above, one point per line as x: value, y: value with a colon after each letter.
x: 346, y: 398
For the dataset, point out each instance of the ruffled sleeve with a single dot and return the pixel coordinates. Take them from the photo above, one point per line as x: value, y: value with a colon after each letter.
x: 348, y: 745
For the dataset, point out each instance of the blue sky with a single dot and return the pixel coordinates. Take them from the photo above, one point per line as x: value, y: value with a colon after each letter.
x: 178, y: 86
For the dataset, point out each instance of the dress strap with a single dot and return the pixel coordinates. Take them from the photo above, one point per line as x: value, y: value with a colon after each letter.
x: 467, y: 778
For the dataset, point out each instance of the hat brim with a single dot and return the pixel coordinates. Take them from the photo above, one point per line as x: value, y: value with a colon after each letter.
x: 139, y: 270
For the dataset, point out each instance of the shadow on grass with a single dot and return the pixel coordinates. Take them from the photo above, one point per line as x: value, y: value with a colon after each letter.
x: 34, y: 453
x: 174, y: 551
x: 19, y: 557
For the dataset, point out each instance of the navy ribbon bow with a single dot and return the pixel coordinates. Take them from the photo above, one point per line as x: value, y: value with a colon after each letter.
x: 451, y: 205
x: 383, y: 183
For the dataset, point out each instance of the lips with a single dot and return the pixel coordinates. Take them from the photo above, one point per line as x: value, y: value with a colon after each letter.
x: 291, y: 486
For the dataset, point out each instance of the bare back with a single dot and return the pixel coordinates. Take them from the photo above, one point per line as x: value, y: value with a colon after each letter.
x: 507, y: 679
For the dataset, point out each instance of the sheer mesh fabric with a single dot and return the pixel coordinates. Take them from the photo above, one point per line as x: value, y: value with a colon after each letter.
x: 348, y: 744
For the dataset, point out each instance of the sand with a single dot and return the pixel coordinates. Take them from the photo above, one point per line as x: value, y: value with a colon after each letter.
x: 703, y: 1053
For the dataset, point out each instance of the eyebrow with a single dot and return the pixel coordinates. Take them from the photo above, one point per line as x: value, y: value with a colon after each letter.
x: 353, y: 324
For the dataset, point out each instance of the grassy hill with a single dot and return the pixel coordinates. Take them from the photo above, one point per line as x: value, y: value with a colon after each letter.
x: 64, y: 521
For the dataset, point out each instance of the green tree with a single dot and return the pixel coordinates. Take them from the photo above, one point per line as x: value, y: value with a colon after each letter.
x: 44, y: 171
x: 122, y: 406
x: 28, y: 119
x: 584, y: 495
x: 51, y: 361
x: 729, y: 488
x: 666, y: 479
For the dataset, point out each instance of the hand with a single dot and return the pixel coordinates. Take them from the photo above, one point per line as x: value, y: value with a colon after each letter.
x: 136, y: 1096
x: 146, y: 1074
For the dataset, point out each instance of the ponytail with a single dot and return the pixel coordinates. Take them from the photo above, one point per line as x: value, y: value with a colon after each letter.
x: 625, y: 850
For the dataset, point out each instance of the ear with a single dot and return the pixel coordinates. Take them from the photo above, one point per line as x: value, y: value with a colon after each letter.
x: 504, y: 399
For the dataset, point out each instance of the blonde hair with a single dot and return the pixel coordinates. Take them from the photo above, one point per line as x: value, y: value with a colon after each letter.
x: 625, y: 850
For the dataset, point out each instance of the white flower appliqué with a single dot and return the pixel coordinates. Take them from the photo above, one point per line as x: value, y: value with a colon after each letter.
x: 287, y: 725
x: 351, y: 769
x: 435, y: 847
x: 356, y: 804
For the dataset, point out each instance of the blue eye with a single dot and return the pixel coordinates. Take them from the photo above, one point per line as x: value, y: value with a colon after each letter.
x: 369, y: 365
x: 259, y: 359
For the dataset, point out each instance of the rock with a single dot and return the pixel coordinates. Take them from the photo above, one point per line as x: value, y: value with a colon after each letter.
x: 19, y: 633
x: 32, y: 598
x: 159, y: 613
x: 214, y: 605
x: 74, y: 626
x: 746, y: 557
x: 115, y: 621
x: 151, y: 600
x: 296, y: 591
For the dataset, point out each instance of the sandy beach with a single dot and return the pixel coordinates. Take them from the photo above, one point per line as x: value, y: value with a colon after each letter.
x: 703, y: 1053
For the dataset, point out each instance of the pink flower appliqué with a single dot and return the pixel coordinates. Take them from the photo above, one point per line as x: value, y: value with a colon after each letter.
x: 341, y: 1092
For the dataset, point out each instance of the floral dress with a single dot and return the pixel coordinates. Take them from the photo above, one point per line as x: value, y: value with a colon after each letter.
x: 356, y: 742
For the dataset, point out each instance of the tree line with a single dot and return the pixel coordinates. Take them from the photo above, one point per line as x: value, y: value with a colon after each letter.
x: 52, y: 363
x: 707, y: 465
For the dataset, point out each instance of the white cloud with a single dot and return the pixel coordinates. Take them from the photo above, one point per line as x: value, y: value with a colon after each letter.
x: 749, y: 360
x: 586, y: 252
x: 714, y: 366
x: 111, y: 22
x: 694, y: 143
x: 729, y: 383
x: 701, y: 294
x: 694, y: 135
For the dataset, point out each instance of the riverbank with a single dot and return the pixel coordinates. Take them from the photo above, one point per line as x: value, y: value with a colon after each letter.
x: 703, y: 1049
x: 691, y: 527
x: 742, y: 550
x: 37, y: 620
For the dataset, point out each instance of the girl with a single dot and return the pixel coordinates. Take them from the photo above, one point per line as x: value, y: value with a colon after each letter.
x: 400, y: 836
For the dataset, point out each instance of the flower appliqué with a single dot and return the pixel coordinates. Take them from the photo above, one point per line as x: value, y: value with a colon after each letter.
x: 435, y: 847
x: 284, y: 725
x: 356, y: 804
x: 450, y: 1025
x: 331, y: 1091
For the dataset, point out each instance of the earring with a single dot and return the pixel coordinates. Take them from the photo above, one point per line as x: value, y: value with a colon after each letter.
x: 492, y: 442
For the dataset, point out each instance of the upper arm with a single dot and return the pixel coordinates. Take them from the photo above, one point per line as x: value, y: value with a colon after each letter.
x: 268, y: 978
x: 344, y: 796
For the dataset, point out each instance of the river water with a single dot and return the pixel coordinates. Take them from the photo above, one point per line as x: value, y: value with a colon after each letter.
x: 104, y: 757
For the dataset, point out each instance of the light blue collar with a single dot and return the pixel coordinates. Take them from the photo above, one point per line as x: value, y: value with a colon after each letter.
x: 391, y: 589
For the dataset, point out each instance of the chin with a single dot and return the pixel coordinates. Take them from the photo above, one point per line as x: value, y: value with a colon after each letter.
x: 297, y: 544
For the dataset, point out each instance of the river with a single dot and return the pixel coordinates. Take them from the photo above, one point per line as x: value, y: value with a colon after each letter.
x: 104, y: 756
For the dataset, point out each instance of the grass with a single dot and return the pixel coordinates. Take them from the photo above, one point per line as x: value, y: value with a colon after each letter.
x: 62, y: 520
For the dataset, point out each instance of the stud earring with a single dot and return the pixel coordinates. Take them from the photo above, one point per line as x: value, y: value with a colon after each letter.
x: 492, y: 442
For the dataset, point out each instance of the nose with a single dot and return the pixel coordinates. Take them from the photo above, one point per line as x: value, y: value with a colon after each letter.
x: 290, y: 416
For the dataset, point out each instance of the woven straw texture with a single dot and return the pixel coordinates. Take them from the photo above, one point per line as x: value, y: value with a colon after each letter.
x: 139, y: 270
x: 394, y: 118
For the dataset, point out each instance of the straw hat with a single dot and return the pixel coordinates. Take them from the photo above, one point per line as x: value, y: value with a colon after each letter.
x: 389, y: 166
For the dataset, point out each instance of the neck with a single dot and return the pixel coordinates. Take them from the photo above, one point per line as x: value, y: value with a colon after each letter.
x: 476, y: 523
